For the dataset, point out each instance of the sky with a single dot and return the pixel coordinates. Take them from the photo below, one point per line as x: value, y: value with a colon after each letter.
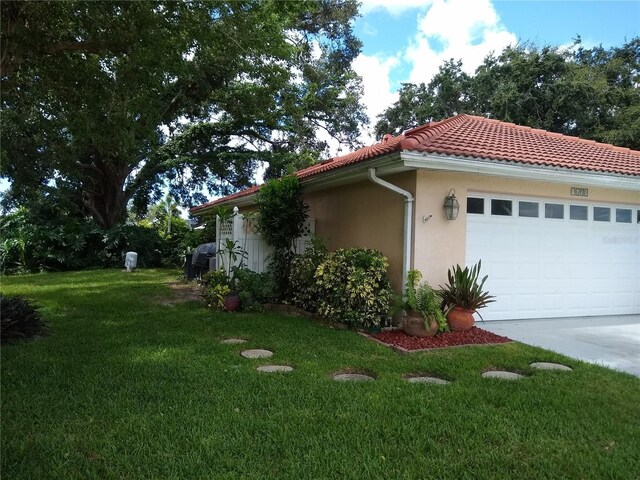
x: 407, y: 40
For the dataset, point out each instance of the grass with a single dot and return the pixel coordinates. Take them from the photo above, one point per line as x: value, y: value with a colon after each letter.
x: 128, y: 387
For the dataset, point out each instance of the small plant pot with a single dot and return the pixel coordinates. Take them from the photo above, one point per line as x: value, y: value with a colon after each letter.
x: 413, y: 324
x: 460, y: 319
x: 232, y: 302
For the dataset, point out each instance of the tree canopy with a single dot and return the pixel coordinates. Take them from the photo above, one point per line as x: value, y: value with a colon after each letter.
x: 590, y: 92
x: 107, y: 102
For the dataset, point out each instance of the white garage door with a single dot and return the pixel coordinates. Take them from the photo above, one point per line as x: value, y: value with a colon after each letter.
x: 552, y: 258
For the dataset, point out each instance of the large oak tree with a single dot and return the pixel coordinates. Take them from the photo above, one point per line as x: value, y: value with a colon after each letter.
x: 106, y: 102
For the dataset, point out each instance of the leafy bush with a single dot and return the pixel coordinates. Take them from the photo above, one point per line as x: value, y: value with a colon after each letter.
x: 119, y: 240
x: 19, y: 320
x: 53, y: 239
x: 254, y: 288
x: 354, y: 287
x: 217, y: 285
x: 280, y: 220
x: 302, y: 277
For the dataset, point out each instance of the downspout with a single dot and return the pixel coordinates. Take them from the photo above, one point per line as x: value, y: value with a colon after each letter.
x: 408, y: 215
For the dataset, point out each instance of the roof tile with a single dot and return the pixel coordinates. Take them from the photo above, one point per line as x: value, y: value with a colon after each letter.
x: 479, y: 137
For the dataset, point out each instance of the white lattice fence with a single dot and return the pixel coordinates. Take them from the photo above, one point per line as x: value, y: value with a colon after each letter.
x: 243, y: 231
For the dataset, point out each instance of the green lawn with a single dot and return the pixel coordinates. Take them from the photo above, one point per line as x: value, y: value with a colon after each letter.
x: 127, y: 387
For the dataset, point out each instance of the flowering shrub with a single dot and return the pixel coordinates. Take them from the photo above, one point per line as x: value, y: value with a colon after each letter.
x: 353, y: 287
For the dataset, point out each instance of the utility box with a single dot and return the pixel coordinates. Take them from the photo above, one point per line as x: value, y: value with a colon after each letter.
x: 131, y: 261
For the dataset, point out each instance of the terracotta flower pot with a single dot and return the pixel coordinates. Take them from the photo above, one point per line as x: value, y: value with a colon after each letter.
x: 460, y: 319
x: 413, y: 325
x: 232, y: 302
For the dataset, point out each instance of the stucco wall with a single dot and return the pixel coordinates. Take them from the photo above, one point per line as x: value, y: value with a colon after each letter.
x: 440, y: 243
x: 365, y: 215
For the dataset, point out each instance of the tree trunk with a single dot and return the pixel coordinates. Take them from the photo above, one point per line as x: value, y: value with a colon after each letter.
x: 104, y: 195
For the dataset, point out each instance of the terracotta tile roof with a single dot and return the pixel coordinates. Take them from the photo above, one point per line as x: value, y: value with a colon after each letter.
x: 482, y: 138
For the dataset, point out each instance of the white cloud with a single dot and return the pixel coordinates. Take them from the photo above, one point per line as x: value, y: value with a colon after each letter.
x: 378, y: 95
x: 393, y: 7
x: 458, y: 29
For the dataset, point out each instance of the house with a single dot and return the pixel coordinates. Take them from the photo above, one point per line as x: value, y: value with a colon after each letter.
x: 554, y: 219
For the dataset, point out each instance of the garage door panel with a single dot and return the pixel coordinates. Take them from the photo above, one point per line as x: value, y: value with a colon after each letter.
x: 545, y: 268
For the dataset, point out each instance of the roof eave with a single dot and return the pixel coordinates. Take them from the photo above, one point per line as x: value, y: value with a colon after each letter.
x: 387, y: 165
x: 500, y: 168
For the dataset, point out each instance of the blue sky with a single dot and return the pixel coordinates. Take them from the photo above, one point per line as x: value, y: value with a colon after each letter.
x: 407, y: 40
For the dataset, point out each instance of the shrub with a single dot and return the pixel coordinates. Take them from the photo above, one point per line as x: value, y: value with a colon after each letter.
x: 280, y: 220
x: 253, y: 288
x: 354, y: 287
x: 19, y: 320
x: 145, y: 241
x: 217, y: 285
x: 305, y: 291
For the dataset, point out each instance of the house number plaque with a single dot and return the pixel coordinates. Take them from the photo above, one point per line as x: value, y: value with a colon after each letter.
x: 579, y: 192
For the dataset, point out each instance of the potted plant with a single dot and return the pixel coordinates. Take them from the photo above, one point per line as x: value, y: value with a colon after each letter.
x: 418, y: 320
x: 463, y: 296
x: 218, y: 291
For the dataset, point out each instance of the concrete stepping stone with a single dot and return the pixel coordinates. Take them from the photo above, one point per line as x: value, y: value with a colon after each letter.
x: 256, y: 353
x: 352, y: 377
x: 550, y: 366
x: 432, y: 380
x: 502, y: 374
x: 275, y: 368
x: 233, y: 341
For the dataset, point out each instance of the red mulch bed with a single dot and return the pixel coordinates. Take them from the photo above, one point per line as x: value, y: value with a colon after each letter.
x: 474, y: 336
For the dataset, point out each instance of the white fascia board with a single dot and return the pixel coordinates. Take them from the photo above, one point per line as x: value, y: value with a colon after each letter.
x: 387, y: 165
x: 519, y: 171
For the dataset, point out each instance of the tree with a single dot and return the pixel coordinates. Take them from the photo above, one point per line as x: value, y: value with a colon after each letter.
x: 445, y: 95
x: 592, y: 93
x: 106, y: 102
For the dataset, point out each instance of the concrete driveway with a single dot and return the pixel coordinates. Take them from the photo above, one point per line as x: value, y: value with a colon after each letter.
x: 612, y: 341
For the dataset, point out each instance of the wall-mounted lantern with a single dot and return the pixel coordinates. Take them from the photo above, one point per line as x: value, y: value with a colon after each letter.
x: 451, y: 205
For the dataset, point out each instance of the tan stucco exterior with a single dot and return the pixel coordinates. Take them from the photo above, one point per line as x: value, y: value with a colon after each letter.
x: 364, y: 214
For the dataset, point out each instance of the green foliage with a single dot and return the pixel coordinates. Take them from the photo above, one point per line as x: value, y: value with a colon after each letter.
x: 254, y: 288
x: 280, y: 220
x: 429, y: 303
x: 592, y: 93
x: 52, y: 238
x: 216, y: 286
x: 214, y: 296
x: 306, y: 292
x: 230, y: 253
x: 413, y: 278
x: 119, y: 240
x: 95, y: 96
x: 463, y: 289
x: 19, y: 320
x: 354, y: 287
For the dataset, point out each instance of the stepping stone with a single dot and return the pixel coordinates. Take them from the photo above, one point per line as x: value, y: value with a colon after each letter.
x: 275, y: 368
x: 233, y: 341
x: 433, y: 380
x: 502, y: 374
x: 550, y: 366
x: 352, y: 377
x: 256, y: 353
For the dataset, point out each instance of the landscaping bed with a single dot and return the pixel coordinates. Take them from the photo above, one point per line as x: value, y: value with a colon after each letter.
x: 398, y: 340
